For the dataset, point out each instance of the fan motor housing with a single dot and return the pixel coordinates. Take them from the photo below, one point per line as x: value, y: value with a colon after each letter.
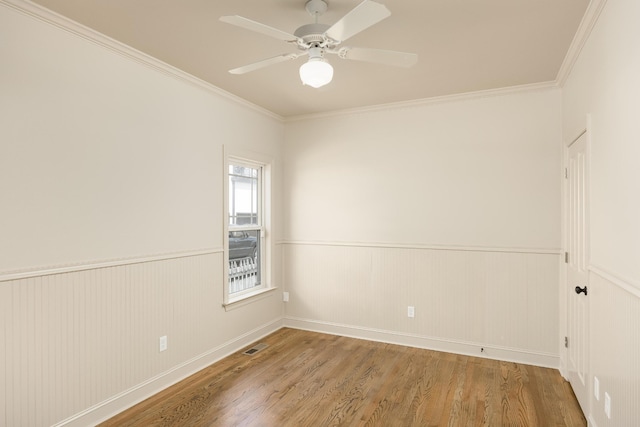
x: 312, y: 34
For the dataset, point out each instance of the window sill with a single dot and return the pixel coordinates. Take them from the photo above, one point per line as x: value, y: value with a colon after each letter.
x: 248, y: 298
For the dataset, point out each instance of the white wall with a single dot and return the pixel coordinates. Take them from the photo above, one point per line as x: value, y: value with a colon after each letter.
x: 452, y: 207
x: 480, y: 172
x: 111, y: 221
x: 102, y: 158
x: 605, y: 84
x: 111, y: 185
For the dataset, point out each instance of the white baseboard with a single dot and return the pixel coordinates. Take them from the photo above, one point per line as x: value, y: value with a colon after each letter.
x: 120, y: 402
x: 410, y: 340
x: 563, y: 371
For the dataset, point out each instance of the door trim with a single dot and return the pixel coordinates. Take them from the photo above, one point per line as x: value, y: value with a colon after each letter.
x: 565, y: 291
x: 563, y: 315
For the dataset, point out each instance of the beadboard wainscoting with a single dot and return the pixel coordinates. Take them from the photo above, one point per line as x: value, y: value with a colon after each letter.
x: 614, y: 348
x: 496, y: 303
x: 80, y: 346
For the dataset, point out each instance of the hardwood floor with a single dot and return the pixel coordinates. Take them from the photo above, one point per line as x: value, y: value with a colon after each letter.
x: 310, y: 379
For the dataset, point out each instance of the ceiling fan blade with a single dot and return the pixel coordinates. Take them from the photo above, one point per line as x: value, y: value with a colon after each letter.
x: 258, y: 27
x: 388, y: 57
x: 358, y: 19
x: 266, y: 62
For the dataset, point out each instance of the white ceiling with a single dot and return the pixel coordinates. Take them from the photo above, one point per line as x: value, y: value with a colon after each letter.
x: 463, y: 46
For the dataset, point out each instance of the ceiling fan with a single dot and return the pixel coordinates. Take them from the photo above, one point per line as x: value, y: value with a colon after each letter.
x: 316, y: 40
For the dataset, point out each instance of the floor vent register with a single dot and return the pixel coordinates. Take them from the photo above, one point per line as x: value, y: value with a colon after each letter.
x: 256, y: 348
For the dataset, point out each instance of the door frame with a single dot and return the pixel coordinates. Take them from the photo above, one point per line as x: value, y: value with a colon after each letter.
x: 564, y: 290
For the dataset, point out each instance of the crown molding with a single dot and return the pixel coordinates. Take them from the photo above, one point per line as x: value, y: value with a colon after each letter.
x: 465, y: 96
x: 47, y: 16
x: 587, y: 24
x: 41, y: 13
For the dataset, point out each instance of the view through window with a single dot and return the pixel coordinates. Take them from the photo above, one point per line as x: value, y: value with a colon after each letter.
x: 245, y: 228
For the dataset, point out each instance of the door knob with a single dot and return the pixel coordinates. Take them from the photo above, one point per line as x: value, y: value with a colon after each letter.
x: 579, y: 290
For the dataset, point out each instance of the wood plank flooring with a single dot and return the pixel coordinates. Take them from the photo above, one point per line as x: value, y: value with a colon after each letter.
x: 311, y: 379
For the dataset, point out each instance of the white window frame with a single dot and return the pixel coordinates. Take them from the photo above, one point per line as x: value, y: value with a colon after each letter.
x: 233, y: 156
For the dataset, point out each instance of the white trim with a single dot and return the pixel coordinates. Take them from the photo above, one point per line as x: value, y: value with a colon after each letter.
x: 562, y: 270
x: 458, y: 97
x: 544, y: 251
x: 52, y: 18
x: 39, y: 12
x: 245, y: 299
x: 437, y: 344
x: 566, y: 369
x: 575, y: 139
x: 267, y: 166
x: 625, y: 284
x: 587, y: 24
x: 122, y: 401
x: 71, y: 268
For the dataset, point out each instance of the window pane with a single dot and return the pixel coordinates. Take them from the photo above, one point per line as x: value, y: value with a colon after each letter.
x: 244, y: 189
x: 244, y: 260
x: 243, y: 171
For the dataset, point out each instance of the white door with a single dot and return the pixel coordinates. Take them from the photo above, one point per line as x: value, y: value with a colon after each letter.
x: 577, y: 276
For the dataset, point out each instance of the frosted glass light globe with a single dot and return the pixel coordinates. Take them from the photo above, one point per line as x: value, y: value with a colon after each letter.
x: 316, y: 72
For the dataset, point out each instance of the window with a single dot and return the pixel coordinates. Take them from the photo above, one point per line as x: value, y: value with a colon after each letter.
x: 246, y: 207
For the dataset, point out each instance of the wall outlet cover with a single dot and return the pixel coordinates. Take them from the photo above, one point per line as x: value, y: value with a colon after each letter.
x: 163, y: 343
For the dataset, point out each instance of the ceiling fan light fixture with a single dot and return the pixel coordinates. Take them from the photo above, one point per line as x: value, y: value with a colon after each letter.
x: 316, y: 72
x: 317, y: 39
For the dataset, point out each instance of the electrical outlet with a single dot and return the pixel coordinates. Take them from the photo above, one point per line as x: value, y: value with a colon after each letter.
x: 596, y: 388
x: 163, y: 343
x: 285, y: 296
x: 411, y: 311
x: 607, y: 404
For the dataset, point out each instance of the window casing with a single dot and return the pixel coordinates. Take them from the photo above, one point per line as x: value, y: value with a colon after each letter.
x: 246, y: 227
